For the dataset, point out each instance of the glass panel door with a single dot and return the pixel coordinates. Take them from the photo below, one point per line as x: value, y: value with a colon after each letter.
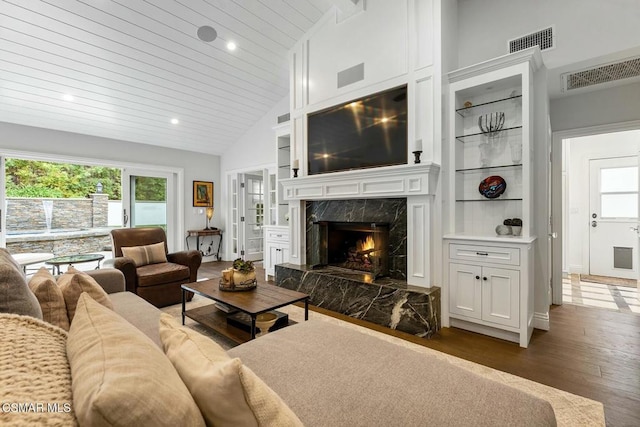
x: 253, y: 216
x: 147, y: 198
x: 613, y: 214
x: 3, y: 206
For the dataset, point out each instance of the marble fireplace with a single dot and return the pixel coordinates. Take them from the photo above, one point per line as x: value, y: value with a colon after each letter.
x: 331, y: 216
x: 362, y: 246
x: 337, y: 232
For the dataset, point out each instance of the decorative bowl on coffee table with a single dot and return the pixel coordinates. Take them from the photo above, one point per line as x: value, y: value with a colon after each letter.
x: 264, y: 321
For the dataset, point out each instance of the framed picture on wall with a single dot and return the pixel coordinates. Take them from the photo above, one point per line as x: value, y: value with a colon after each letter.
x: 202, y: 194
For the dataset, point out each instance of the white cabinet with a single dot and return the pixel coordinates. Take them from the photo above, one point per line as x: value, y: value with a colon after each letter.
x: 490, y: 287
x: 491, y: 192
x: 276, y: 248
x: 486, y: 293
x: 493, y: 131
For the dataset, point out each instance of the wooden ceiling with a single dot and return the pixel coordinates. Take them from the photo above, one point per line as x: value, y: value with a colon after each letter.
x: 124, y: 69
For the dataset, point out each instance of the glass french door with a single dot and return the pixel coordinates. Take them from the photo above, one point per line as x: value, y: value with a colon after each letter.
x: 248, y: 213
x: 148, y: 200
x: 3, y: 206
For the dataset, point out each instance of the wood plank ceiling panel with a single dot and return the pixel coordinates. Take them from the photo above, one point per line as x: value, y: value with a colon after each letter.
x: 133, y: 65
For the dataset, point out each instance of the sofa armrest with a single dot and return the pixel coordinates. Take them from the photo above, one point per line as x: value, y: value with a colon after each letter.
x: 128, y: 267
x: 110, y: 279
x: 191, y: 259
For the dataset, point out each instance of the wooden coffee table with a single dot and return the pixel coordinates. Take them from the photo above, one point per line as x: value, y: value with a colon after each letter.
x: 259, y: 300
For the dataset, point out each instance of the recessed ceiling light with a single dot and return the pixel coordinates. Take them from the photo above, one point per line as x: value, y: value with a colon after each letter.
x: 231, y: 46
x: 68, y: 97
x: 175, y: 121
x: 207, y: 33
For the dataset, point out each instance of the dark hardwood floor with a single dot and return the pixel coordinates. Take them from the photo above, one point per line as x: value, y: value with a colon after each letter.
x: 591, y: 352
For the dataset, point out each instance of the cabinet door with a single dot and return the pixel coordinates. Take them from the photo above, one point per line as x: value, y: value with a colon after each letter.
x: 501, y: 296
x: 271, y: 259
x: 465, y: 290
x: 284, y: 250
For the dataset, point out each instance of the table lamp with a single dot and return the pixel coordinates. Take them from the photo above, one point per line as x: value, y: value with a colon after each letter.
x: 209, y: 216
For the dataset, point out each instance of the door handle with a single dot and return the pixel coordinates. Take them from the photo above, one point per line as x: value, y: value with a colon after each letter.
x: 594, y: 224
x: 636, y: 229
x: 125, y: 218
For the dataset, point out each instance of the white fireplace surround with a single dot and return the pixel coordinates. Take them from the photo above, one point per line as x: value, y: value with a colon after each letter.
x: 416, y: 182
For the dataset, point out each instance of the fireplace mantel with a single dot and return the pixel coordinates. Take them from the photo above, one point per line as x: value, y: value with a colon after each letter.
x: 391, y: 181
x: 416, y: 183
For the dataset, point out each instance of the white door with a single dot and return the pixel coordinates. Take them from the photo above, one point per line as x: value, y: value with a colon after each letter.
x: 613, y: 215
x: 248, y: 215
x: 253, y: 216
x: 501, y: 296
x: 465, y: 290
x: 148, y: 200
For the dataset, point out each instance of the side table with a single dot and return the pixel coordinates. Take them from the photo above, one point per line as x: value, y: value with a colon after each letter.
x: 204, y: 233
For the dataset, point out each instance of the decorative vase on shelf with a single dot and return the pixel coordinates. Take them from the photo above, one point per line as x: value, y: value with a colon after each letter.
x: 485, y: 154
x: 516, y: 151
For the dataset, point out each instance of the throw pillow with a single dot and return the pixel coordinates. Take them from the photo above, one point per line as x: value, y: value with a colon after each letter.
x: 143, y: 255
x: 15, y: 295
x: 120, y: 377
x: 35, y: 371
x: 73, y: 283
x: 226, y: 391
x: 49, y: 295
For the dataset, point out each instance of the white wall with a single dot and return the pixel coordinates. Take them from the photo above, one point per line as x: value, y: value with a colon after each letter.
x: 197, y: 166
x: 580, y: 151
x: 584, y: 28
x: 613, y: 105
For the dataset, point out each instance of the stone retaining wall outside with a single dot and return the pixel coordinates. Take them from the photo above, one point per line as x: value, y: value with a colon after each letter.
x: 27, y: 214
x: 61, y: 243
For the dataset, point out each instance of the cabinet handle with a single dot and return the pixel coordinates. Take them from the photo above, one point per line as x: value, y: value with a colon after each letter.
x: 484, y: 278
x: 477, y: 277
x: 278, y: 235
x: 482, y: 253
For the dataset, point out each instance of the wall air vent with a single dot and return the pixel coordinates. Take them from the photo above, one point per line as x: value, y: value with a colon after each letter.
x: 284, y: 118
x: 543, y: 38
x: 602, y: 74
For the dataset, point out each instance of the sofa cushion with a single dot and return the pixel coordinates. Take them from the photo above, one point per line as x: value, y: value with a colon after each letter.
x: 120, y: 377
x: 369, y: 381
x: 226, y: 391
x: 148, y: 254
x: 73, y: 283
x: 15, y: 295
x: 139, y: 313
x: 49, y: 295
x: 160, y: 274
x: 34, y: 367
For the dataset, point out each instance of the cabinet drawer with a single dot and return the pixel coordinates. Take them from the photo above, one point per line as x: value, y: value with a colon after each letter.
x: 494, y: 255
x: 277, y: 235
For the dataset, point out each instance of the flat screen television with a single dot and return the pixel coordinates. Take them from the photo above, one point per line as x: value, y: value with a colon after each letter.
x: 363, y: 133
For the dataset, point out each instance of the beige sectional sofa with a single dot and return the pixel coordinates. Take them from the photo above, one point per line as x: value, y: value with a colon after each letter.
x: 327, y: 374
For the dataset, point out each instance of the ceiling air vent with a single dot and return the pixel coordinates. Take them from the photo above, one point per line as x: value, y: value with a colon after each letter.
x: 543, y: 38
x: 602, y: 74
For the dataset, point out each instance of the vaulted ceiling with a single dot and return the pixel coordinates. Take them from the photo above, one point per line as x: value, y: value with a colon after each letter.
x: 124, y: 69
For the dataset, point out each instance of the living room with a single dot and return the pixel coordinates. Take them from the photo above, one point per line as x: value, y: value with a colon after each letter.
x: 416, y: 44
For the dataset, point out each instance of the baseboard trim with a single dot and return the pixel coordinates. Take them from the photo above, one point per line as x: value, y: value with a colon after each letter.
x: 541, y: 321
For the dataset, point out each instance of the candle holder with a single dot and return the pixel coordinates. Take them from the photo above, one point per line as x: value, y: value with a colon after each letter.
x: 417, y: 156
x: 295, y: 172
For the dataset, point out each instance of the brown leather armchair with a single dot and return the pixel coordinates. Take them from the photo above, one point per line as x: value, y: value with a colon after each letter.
x: 157, y: 283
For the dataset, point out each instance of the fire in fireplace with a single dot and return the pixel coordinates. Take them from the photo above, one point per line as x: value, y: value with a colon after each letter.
x: 360, y: 246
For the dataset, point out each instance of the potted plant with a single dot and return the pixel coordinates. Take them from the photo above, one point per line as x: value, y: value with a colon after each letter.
x: 244, y: 272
